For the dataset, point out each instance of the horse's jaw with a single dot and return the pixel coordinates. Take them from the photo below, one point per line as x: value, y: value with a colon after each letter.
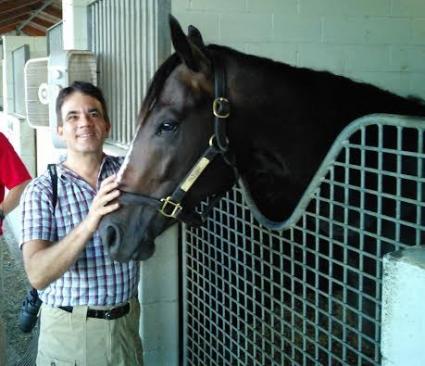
x: 129, y: 233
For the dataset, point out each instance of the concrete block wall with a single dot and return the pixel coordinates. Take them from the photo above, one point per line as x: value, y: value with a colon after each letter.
x: 403, y: 319
x: 381, y: 42
x: 158, y: 295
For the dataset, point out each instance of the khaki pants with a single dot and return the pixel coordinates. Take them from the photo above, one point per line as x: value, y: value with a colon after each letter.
x: 73, y: 339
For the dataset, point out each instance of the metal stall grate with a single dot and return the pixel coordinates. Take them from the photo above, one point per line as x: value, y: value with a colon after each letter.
x: 130, y: 39
x: 311, y: 293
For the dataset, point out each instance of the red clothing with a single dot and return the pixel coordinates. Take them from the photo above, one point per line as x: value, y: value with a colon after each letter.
x: 12, y: 170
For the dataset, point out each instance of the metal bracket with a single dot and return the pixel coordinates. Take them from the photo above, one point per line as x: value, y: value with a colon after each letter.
x: 170, y: 208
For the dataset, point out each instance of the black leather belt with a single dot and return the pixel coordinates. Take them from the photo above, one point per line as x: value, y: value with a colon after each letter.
x: 111, y: 314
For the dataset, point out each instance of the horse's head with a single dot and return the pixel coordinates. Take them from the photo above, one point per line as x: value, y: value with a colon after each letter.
x: 174, y: 161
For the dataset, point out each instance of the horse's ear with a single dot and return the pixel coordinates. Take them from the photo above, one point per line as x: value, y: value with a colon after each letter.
x: 188, y: 48
x: 195, y: 36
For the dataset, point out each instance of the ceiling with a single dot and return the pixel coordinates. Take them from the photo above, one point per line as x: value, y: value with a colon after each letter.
x: 29, y: 17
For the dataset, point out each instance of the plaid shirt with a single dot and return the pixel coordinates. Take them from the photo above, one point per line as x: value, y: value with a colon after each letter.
x: 94, y: 279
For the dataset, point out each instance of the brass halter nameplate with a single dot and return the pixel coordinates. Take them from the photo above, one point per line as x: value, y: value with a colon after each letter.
x: 194, y: 174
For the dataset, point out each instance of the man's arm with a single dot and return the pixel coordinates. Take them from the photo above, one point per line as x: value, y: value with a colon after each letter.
x: 11, y: 200
x: 45, y: 263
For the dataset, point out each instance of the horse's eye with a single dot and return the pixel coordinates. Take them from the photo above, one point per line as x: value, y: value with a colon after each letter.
x: 167, y: 126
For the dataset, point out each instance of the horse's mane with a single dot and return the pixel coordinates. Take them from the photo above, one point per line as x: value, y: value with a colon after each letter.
x: 299, y: 78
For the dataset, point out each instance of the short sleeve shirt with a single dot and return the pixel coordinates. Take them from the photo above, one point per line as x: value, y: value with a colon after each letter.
x: 95, y: 279
x: 12, y: 171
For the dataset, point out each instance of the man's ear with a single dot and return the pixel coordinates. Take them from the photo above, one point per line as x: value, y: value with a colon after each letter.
x: 108, y: 128
x: 59, y: 130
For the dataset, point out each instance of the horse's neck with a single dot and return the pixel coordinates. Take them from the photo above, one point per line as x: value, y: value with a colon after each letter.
x: 286, y: 120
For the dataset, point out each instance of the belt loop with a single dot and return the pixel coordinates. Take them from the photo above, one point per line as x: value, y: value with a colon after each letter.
x: 79, y: 315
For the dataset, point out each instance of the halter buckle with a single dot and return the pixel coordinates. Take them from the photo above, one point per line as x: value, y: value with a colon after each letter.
x: 221, y: 107
x: 170, y: 208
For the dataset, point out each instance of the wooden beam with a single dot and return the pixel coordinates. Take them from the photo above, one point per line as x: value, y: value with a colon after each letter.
x: 13, y: 18
x: 34, y: 14
x: 42, y: 22
x: 19, y: 10
x: 12, y: 4
x: 31, y: 31
x: 8, y: 28
x: 52, y: 10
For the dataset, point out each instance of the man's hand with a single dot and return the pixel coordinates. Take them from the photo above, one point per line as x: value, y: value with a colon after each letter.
x: 103, y: 203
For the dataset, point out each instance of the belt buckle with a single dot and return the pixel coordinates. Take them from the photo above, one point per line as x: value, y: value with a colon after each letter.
x: 108, y: 315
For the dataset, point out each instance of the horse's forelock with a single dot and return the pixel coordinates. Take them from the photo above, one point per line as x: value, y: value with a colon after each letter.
x: 157, y: 83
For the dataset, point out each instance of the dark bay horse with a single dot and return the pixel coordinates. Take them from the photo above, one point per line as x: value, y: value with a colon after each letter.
x: 213, y: 114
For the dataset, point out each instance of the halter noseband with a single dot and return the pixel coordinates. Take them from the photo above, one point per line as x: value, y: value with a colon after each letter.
x: 171, y: 206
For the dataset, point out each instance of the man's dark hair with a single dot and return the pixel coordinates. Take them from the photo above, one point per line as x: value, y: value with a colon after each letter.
x: 84, y: 88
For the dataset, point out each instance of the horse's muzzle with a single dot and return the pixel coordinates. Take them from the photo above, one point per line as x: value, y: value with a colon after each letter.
x: 122, y: 241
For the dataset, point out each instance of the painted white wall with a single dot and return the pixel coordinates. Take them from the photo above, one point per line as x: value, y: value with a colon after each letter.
x: 403, y: 319
x: 381, y: 42
x: 75, y: 24
x: 38, y: 48
x: 15, y: 127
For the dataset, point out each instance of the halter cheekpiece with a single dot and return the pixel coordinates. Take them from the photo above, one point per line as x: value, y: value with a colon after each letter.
x: 171, y: 206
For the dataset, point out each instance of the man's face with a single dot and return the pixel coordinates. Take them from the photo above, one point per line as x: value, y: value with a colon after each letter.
x: 84, y: 128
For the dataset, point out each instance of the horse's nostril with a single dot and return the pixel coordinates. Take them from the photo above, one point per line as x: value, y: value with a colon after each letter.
x: 113, y: 238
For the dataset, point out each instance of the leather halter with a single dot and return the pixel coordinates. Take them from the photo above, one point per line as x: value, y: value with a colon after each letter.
x: 171, y: 206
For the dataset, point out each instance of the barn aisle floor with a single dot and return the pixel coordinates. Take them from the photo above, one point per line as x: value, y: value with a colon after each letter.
x: 20, y: 347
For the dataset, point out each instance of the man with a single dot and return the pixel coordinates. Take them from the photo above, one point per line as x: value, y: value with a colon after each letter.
x: 90, y: 312
x: 13, y: 175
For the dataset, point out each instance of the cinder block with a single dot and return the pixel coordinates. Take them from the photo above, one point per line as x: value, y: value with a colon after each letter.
x: 160, y: 358
x: 207, y: 23
x: 159, y: 280
x: 387, y: 30
x: 285, y: 52
x: 361, y: 30
x: 166, y: 243
x: 159, y: 327
x: 246, y: 27
x: 368, y: 58
x: 413, y: 8
x: 222, y: 6
x: 345, y: 8
x: 322, y: 57
x: 418, y: 31
x: 416, y: 85
x: 296, y: 28
x: 179, y: 6
x: 408, y: 58
x: 287, y: 7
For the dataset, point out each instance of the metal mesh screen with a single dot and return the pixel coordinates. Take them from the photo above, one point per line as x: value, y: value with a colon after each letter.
x: 310, y: 293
